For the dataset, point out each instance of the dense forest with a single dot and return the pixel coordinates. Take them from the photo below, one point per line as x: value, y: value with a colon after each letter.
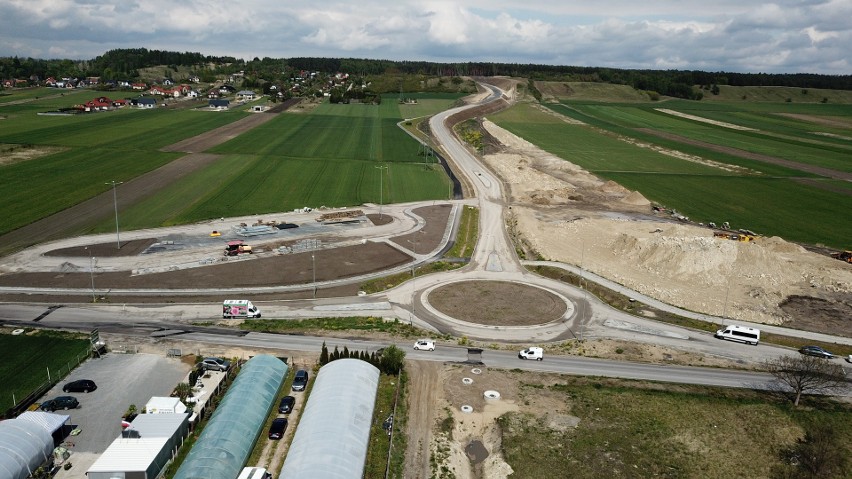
x: 123, y: 64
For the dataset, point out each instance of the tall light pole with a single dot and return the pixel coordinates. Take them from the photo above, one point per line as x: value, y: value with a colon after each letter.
x: 381, y: 188
x: 314, y: 269
x: 115, y: 201
x: 92, y: 274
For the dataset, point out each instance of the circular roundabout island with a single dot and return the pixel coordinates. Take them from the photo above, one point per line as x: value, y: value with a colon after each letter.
x: 497, y: 303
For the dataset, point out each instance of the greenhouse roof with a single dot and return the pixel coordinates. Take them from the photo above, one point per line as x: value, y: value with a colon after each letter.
x: 227, y: 440
x: 334, y: 430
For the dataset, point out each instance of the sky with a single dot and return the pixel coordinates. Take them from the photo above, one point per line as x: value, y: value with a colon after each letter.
x: 782, y: 36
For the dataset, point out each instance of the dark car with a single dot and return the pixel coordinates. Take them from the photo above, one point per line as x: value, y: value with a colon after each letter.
x: 276, y: 430
x: 61, y: 402
x: 815, y: 351
x: 286, y: 404
x: 300, y: 382
x: 80, y: 386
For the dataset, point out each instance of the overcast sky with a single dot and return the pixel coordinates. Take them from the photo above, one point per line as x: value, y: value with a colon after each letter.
x: 783, y: 36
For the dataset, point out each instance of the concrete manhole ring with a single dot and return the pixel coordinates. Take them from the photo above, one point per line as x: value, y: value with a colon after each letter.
x: 491, y: 394
x: 17, y: 332
x: 466, y: 409
x: 467, y: 381
x: 476, y: 371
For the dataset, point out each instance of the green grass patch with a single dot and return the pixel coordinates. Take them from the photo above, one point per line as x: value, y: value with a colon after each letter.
x: 40, y: 358
x: 467, y: 235
x: 380, y: 442
x: 356, y: 323
x: 624, y: 431
x: 391, y: 281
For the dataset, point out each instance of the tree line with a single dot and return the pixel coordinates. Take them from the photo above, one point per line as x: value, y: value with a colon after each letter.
x: 125, y: 63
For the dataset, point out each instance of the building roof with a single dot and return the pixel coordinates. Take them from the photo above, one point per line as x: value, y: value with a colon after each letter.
x: 169, y: 404
x: 334, y: 430
x: 137, y: 453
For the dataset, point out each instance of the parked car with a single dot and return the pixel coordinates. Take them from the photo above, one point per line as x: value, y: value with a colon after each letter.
x: 300, y: 382
x: 425, y: 345
x: 815, y: 351
x: 216, y: 364
x: 80, y: 386
x: 532, y: 353
x: 60, y: 402
x: 286, y: 404
x: 276, y: 430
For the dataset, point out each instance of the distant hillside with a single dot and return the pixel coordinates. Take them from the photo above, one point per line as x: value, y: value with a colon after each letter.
x: 779, y: 94
x: 554, y: 91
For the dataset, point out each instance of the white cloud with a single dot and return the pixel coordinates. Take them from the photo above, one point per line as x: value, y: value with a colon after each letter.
x: 775, y: 36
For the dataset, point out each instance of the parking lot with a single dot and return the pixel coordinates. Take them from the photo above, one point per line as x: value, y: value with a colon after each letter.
x: 122, y: 379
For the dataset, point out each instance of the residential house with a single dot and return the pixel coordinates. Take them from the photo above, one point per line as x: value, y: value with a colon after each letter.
x: 246, y: 95
x: 144, y: 102
x: 139, y: 86
x: 219, y: 104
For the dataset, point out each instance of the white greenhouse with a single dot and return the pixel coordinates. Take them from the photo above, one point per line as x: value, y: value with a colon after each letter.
x: 334, y: 430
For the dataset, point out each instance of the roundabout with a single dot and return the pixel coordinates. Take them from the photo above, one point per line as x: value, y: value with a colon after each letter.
x: 498, y: 303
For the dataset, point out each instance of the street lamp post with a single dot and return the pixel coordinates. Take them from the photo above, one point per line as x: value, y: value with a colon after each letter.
x: 115, y: 201
x: 92, y: 274
x: 314, y: 269
x: 381, y: 188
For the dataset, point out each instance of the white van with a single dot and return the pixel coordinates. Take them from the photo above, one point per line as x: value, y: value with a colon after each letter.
x: 739, y: 333
x: 254, y: 473
x: 532, y: 353
x: 239, y: 308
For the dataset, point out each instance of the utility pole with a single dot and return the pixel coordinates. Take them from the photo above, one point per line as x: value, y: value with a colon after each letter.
x: 381, y: 189
x: 314, y: 269
x: 92, y: 274
x: 115, y: 201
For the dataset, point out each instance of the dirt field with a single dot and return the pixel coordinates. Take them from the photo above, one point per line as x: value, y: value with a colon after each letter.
x: 498, y: 303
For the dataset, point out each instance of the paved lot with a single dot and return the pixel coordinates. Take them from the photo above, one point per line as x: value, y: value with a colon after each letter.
x: 122, y: 379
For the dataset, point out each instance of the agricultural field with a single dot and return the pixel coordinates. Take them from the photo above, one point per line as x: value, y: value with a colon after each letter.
x: 36, y: 354
x: 329, y: 157
x: 69, y: 159
x: 771, y: 180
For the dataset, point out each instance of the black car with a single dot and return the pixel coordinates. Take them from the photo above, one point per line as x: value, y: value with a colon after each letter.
x: 80, y: 386
x: 286, y: 404
x: 60, y: 402
x: 276, y: 430
x: 815, y: 351
x: 300, y: 382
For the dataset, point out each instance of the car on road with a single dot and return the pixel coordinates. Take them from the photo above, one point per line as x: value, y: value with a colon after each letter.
x: 80, y: 386
x: 276, y: 430
x: 532, y: 353
x: 300, y: 382
x: 216, y: 364
x: 424, y: 345
x: 815, y: 351
x: 60, y: 402
x: 286, y: 404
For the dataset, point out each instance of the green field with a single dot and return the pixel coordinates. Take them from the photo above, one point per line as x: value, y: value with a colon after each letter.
x: 324, y: 158
x: 763, y: 197
x: 36, y: 354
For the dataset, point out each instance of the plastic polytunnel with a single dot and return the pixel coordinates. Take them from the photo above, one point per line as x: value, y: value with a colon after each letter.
x: 24, y: 446
x: 226, y: 442
x: 334, y: 430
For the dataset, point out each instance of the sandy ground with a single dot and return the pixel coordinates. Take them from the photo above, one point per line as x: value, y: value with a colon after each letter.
x: 569, y: 215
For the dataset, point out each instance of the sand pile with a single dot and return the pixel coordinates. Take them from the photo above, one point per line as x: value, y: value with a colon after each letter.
x: 569, y: 215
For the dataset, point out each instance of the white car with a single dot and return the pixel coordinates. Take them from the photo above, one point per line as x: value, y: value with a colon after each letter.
x: 425, y: 345
x: 532, y: 353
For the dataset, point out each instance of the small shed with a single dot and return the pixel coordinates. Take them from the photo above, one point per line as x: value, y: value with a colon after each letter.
x: 164, y: 405
x: 144, y: 449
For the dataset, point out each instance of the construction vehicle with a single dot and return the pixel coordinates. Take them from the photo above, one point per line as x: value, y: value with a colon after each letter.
x: 234, y: 248
x: 843, y: 256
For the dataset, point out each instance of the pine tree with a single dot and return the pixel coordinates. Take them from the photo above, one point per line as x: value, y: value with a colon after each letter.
x: 323, y: 355
x: 335, y: 355
x: 345, y: 352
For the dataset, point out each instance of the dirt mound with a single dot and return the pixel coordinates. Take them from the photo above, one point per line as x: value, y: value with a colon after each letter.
x: 678, y: 263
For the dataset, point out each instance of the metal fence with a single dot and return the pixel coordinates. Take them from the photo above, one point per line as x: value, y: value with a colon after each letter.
x: 52, y: 377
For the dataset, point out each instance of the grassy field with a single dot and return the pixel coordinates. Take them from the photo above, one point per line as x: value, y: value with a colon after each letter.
x: 37, y: 354
x: 761, y: 197
x: 326, y: 158
x: 628, y: 429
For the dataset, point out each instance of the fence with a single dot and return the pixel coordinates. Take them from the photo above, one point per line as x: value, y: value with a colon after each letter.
x: 53, y: 377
